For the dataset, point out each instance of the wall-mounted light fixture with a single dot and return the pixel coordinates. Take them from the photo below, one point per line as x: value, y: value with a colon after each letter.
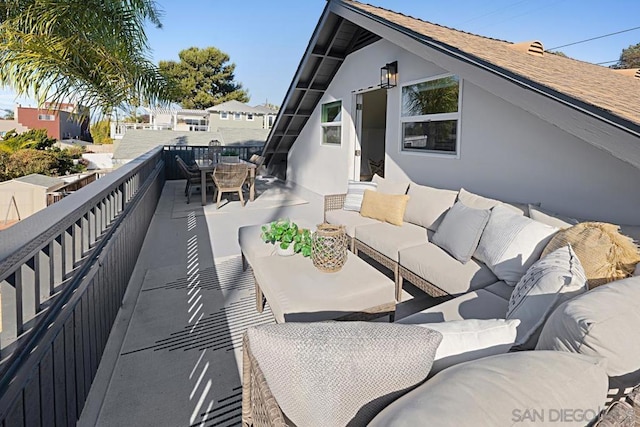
x: 389, y: 75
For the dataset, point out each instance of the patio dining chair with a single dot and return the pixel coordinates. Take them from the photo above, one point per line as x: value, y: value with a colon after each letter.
x: 193, y: 177
x: 229, y: 178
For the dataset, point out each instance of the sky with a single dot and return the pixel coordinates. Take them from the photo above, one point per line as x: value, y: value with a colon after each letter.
x: 266, y: 39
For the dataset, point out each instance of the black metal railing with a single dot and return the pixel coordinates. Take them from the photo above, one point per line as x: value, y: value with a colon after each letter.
x: 63, y: 274
x: 191, y: 153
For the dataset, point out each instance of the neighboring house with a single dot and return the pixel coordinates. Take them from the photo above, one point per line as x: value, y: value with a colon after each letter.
x: 62, y: 122
x: 236, y: 114
x: 24, y: 196
x: 137, y: 142
x: 501, y: 119
x: 231, y: 114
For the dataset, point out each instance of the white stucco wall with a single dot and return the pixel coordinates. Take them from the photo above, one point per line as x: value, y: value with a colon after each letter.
x: 505, y: 152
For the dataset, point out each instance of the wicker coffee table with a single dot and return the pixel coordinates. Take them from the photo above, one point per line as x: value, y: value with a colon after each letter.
x: 299, y: 292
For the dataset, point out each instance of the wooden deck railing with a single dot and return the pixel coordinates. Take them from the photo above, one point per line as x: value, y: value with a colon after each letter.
x: 63, y: 273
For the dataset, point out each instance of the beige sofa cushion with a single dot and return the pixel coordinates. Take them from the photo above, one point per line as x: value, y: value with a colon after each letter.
x: 349, y: 219
x: 501, y: 289
x: 480, y: 202
x: 384, y: 207
x: 436, y: 266
x: 480, y: 304
x: 389, y: 186
x: 341, y: 373
x: 603, y: 322
x: 427, y: 205
x: 503, y: 390
x: 389, y: 239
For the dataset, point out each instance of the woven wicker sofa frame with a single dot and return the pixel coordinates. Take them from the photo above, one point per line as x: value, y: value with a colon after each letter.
x: 400, y: 273
x: 260, y: 408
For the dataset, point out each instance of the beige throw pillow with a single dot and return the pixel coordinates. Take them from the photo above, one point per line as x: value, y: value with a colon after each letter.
x: 605, y: 254
x: 384, y: 207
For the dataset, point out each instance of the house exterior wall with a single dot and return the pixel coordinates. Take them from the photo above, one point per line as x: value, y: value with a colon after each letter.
x: 505, y: 152
x: 7, y: 125
x: 215, y: 121
x: 70, y: 127
x: 64, y: 125
x: 28, y: 117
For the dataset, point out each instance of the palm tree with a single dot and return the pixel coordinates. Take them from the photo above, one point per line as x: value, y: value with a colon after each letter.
x: 93, y: 52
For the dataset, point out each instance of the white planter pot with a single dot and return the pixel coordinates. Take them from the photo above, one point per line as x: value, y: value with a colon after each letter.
x: 284, y: 252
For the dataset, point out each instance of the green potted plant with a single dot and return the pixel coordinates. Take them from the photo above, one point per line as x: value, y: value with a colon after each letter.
x: 288, y: 237
x: 229, y: 156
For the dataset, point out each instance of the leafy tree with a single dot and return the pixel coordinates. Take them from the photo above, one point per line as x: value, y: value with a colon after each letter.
x: 629, y: 58
x: 92, y: 51
x: 34, y: 152
x: 100, y: 132
x: 8, y: 114
x: 203, y: 78
x: 34, y: 138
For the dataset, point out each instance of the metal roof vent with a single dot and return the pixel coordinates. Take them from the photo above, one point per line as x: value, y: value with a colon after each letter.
x: 631, y: 72
x: 534, y: 47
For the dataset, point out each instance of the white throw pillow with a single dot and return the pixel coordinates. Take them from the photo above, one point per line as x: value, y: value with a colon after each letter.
x: 355, y: 193
x: 511, y: 243
x: 554, y: 279
x: 466, y: 340
x: 388, y: 186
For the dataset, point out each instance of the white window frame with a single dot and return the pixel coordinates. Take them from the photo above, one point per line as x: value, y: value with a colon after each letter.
x: 224, y: 115
x: 331, y: 124
x: 46, y: 117
x: 432, y: 117
x: 237, y: 116
x: 249, y: 117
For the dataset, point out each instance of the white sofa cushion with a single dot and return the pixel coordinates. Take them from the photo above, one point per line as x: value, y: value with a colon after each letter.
x: 460, y: 231
x: 602, y: 322
x: 341, y: 373
x: 480, y: 304
x: 355, y: 193
x: 389, y: 239
x: 427, y: 205
x: 465, y: 340
x: 511, y: 243
x: 437, y: 267
x: 505, y: 390
x: 548, y: 283
x: 551, y: 218
x: 480, y: 202
x: 349, y: 219
x: 388, y: 186
x: 501, y: 289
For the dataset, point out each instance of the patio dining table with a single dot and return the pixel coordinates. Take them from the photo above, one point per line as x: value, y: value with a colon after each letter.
x: 207, y: 166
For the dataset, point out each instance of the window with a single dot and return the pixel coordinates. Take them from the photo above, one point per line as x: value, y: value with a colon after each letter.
x: 249, y: 117
x: 430, y: 116
x: 331, y: 122
x: 46, y: 117
x: 237, y: 116
x: 224, y: 115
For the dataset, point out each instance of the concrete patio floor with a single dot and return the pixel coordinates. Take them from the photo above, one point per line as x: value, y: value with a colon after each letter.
x: 174, y: 354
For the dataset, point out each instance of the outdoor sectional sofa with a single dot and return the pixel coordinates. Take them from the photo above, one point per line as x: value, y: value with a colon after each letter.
x: 577, y: 356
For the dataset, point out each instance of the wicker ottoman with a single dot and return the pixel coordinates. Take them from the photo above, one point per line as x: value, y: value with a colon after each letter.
x: 299, y: 292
